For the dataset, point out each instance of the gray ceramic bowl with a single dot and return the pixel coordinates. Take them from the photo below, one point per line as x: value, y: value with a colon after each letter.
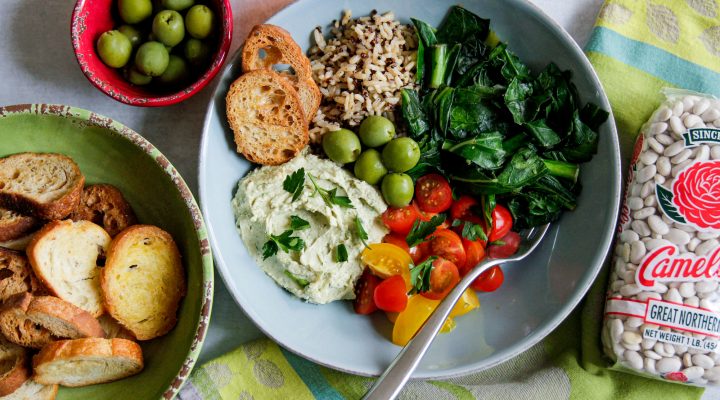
x: 537, y: 294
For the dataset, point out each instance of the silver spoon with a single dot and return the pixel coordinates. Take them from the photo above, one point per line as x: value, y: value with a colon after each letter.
x: 391, y: 382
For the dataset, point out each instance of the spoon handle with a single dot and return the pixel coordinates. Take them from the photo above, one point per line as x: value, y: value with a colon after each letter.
x: 391, y: 382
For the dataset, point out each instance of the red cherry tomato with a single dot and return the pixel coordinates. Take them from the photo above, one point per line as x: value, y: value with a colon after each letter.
x: 364, y: 293
x: 443, y: 277
x: 424, y: 216
x: 474, y: 252
x: 400, y: 220
x: 462, y: 209
x: 501, y: 223
x: 433, y: 193
x: 489, y: 280
x: 397, y: 240
x: 391, y: 294
x: 448, y: 245
x: 505, y: 247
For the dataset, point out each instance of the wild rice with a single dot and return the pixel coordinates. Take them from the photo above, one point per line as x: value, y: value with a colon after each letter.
x: 360, y: 69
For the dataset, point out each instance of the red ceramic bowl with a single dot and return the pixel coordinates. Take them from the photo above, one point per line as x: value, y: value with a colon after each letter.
x: 93, y: 17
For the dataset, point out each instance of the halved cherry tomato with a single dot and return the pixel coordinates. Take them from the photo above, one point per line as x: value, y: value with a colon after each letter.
x: 448, y: 245
x: 474, y: 252
x: 364, y: 293
x: 501, y: 223
x: 443, y: 277
x: 489, y: 280
x: 505, y: 247
x: 391, y: 295
x: 433, y: 193
x: 397, y: 240
x: 408, y: 322
x: 419, y: 253
x: 386, y: 260
x: 400, y: 220
x: 461, y: 209
x: 468, y: 302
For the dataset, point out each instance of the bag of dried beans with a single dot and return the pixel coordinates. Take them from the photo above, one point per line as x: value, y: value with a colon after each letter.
x: 662, y: 313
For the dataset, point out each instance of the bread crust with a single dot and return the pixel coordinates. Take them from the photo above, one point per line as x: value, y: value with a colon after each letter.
x: 18, y: 275
x: 56, y: 209
x: 18, y: 373
x: 271, y: 133
x: 39, y: 267
x: 280, y: 48
x: 18, y: 328
x: 76, y: 350
x: 14, y: 226
x: 31, y: 390
x: 172, y: 287
x: 105, y: 205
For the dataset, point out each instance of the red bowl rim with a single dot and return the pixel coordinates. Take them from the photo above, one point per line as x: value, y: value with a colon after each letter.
x: 78, y: 26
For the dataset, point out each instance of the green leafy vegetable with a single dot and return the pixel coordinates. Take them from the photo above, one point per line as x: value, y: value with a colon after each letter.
x: 421, y: 229
x: 300, y: 281
x: 460, y: 25
x: 285, y: 242
x: 330, y: 197
x: 472, y: 231
x: 485, y: 150
x: 360, y: 231
x: 542, y: 133
x: 298, y: 224
x: 294, y: 183
x: 341, y: 253
x: 420, y: 276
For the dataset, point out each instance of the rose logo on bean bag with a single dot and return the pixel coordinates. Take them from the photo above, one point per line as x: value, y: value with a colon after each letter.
x: 695, y: 197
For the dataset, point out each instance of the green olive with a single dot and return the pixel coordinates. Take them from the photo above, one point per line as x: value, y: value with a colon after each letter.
x: 341, y: 146
x: 369, y: 167
x: 136, y: 77
x: 175, y: 73
x: 199, y: 21
x: 401, y: 154
x: 196, y: 51
x: 134, y: 11
x: 132, y: 33
x: 168, y: 27
x: 376, y: 130
x: 114, y: 49
x: 177, y: 5
x: 152, y: 58
x: 397, y: 189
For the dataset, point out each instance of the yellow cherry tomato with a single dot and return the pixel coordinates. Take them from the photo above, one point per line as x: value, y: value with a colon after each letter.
x: 468, y: 302
x: 386, y: 260
x: 413, y: 317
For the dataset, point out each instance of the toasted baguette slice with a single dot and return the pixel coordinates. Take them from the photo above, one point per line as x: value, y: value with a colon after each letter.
x: 65, y: 257
x: 82, y: 362
x: 106, y: 206
x: 280, y: 48
x: 265, y: 114
x: 18, y: 328
x: 16, y: 274
x: 31, y: 390
x: 14, y: 225
x: 63, y: 319
x: 143, y: 281
x: 19, y: 244
x: 113, y: 329
x: 13, y: 367
x: 43, y: 185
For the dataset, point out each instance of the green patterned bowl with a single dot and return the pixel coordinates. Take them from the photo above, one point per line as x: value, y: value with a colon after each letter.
x: 109, y: 152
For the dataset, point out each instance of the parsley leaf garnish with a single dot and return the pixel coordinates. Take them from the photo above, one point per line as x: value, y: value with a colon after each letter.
x: 471, y: 231
x: 360, y: 231
x: 341, y: 253
x: 284, y: 241
x: 420, y: 276
x: 298, y: 224
x: 300, y: 281
x: 421, y: 229
x: 330, y: 197
x: 294, y: 183
x: 488, y: 205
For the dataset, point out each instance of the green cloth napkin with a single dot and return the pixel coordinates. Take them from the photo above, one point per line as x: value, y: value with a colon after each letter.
x: 637, y: 48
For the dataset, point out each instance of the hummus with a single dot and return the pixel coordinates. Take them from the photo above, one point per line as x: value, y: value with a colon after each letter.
x: 263, y: 207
